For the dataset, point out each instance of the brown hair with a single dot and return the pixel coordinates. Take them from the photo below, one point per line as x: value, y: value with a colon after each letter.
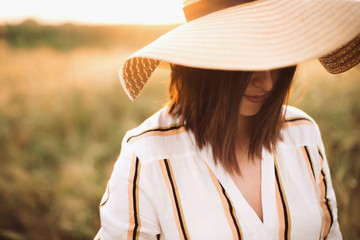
x: 207, y: 102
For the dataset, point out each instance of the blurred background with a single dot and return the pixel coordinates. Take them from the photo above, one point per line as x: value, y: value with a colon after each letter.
x: 63, y: 113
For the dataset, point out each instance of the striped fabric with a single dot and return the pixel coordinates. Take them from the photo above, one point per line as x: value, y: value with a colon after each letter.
x: 228, y: 207
x: 164, y: 187
x: 282, y: 207
x: 133, y: 193
x: 175, y: 198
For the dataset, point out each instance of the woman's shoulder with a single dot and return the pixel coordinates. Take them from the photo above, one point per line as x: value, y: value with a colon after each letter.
x: 300, y: 128
x: 162, y: 120
x: 161, y: 136
x: 293, y: 114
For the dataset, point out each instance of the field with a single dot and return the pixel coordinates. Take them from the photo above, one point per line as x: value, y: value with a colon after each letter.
x: 63, y: 115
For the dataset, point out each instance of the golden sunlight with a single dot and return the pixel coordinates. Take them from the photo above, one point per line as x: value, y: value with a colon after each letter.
x: 94, y: 12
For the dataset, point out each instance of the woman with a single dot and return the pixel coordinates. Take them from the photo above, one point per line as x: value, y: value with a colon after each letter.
x: 225, y: 159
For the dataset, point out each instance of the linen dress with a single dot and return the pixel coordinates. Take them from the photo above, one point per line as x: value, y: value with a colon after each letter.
x: 164, y: 187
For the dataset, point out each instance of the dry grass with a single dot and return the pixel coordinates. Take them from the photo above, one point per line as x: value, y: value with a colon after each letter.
x: 62, y: 119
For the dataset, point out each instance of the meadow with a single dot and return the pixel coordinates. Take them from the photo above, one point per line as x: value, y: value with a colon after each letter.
x: 63, y: 115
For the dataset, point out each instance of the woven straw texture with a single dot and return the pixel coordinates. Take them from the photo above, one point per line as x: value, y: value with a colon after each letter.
x: 343, y: 58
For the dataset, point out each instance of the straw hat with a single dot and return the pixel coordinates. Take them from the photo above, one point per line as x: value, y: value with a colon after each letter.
x: 255, y: 35
x: 343, y: 58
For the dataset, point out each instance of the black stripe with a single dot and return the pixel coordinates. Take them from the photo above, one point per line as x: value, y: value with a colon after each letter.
x: 298, y: 119
x: 134, y: 198
x: 175, y: 197
x: 155, y: 130
x: 320, y: 154
x: 231, y: 212
x: 108, y: 195
x: 326, y: 199
x: 310, y: 161
x: 286, y: 232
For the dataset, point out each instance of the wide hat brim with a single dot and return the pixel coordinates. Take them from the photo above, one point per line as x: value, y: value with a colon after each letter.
x: 260, y: 35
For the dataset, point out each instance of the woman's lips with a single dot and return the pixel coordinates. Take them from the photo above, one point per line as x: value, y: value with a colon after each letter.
x: 255, y: 99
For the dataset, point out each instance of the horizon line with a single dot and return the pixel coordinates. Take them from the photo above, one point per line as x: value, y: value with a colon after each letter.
x: 40, y: 21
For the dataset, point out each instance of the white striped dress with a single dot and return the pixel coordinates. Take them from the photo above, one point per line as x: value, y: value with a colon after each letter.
x: 164, y: 187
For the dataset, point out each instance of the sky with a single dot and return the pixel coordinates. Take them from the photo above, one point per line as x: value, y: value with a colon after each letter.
x: 92, y: 11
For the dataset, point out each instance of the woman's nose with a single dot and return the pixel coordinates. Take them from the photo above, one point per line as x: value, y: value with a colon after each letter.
x: 263, y: 80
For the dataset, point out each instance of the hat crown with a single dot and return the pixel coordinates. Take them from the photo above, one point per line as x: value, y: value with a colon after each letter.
x: 197, y: 8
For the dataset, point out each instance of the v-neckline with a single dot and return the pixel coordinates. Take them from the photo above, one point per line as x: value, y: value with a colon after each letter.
x: 249, y: 183
x: 242, y: 207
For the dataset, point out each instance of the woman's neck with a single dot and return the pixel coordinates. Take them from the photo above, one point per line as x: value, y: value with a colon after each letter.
x: 243, y: 126
x: 243, y: 136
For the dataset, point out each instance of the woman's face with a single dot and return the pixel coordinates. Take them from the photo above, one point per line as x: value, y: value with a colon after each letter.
x: 258, y: 89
